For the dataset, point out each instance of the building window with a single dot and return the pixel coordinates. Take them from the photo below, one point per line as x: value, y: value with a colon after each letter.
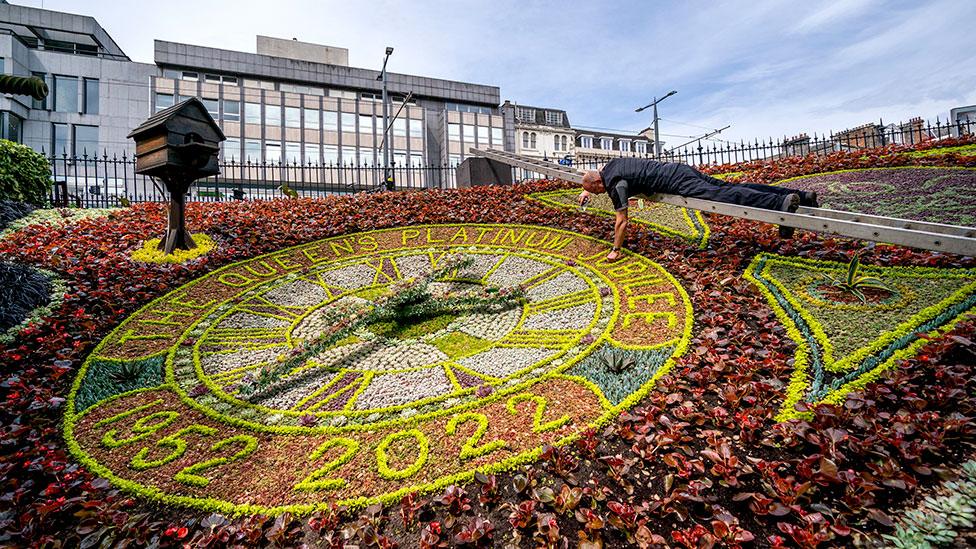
x: 468, y: 131
x: 163, y: 101
x: 272, y: 115
x: 525, y: 140
x: 555, y: 140
x: 12, y: 126
x: 554, y: 118
x: 606, y: 143
x: 59, y: 139
x: 496, y: 136
x: 91, y: 96
x: 348, y: 155
x: 313, y: 153
x: 400, y: 158
x: 416, y: 160
x: 416, y: 128
x: 586, y: 142
x: 640, y: 147
x: 293, y: 117
x: 212, y: 105
x: 330, y: 154
x: 366, y: 124
x: 40, y: 104
x: 65, y: 93
x: 483, y: 135
x: 454, y: 132
x: 311, y: 119
x: 86, y: 141
x: 400, y: 127
x: 232, y: 149
x: 252, y: 151
x: 565, y: 141
x: 252, y: 113
x: 526, y: 115
x: 624, y: 145
x: 191, y: 76
x: 272, y: 153
x: 293, y: 152
x: 453, y: 160
x: 232, y: 110
x: 330, y: 121
x: 532, y: 140
x: 348, y: 124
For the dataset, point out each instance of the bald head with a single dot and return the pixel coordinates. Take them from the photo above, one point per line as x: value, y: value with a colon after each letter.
x: 593, y: 182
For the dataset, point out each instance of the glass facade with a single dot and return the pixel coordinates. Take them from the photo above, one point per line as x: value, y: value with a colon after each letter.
x: 272, y: 116
x: 65, y: 93
x: 86, y: 140
x: 293, y: 117
x: 91, y: 96
x: 252, y: 113
x: 60, y: 139
x: 232, y: 110
x: 311, y: 119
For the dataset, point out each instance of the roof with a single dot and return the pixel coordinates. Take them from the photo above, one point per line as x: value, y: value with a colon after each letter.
x: 540, y: 116
x: 167, y: 114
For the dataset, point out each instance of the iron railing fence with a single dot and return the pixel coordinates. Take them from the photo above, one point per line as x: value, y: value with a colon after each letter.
x: 718, y: 152
x: 107, y: 181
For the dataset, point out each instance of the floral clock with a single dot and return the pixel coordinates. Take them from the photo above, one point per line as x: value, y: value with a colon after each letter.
x: 225, y: 394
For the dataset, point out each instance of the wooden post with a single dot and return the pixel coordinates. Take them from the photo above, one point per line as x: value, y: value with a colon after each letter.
x: 177, y: 237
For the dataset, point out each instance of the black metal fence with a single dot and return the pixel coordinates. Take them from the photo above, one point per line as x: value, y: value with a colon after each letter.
x: 715, y: 151
x: 109, y: 181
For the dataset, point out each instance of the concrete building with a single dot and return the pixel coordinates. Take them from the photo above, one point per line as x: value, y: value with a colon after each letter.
x: 291, y: 102
x: 97, y: 94
x: 541, y: 132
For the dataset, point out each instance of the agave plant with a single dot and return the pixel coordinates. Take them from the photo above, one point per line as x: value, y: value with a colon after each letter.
x: 616, y: 360
x: 854, y: 283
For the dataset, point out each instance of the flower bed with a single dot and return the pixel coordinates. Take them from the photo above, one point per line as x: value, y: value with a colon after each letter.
x: 700, y: 459
x: 939, y: 195
x: 665, y: 219
x: 526, y: 377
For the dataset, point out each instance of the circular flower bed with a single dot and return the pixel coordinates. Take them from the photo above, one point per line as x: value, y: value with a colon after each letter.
x: 267, y: 386
x: 940, y: 195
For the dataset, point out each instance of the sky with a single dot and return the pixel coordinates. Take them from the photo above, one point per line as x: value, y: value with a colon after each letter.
x: 768, y: 68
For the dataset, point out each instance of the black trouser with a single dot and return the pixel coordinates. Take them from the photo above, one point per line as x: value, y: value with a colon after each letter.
x: 689, y: 182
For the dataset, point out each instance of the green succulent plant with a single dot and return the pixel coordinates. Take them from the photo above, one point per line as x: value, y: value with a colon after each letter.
x: 855, y: 283
x: 126, y: 372
x: 616, y: 360
x: 956, y: 509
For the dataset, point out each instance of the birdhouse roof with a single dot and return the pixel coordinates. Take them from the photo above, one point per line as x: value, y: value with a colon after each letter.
x: 190, y: 108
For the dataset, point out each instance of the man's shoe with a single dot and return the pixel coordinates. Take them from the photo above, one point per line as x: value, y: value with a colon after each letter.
x: 790, y: 203
x: 809, y: 199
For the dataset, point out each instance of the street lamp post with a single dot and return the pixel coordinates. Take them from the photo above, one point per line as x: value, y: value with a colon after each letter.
x: 657, y: 135
x: 387, y: 174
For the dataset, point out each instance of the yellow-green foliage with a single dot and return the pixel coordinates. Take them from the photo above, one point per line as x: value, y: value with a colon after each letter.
x: 150, y: 252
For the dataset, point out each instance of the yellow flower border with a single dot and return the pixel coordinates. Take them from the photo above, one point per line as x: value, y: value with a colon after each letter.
x: 800, y: 379
x: 150, y: 253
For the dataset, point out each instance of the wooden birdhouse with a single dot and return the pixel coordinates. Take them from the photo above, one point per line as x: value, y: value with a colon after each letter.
x: 178, y: 145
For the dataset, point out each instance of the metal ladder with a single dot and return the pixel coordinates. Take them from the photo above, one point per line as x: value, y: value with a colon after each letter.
x: 903, y: 232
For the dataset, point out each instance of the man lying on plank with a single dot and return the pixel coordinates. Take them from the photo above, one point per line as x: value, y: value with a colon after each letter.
x: 625, y: 178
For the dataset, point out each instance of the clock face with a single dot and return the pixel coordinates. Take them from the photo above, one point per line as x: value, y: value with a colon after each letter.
x: 279, y: 367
